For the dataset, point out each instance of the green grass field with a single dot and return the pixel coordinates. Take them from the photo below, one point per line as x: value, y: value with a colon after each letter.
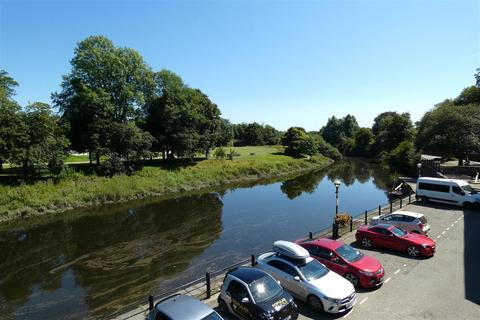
x: 79, y: 190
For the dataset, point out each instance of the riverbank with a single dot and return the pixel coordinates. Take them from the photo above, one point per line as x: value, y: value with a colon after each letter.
x: 80, y: 190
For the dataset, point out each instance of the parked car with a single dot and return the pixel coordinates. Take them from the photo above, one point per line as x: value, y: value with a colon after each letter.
x: 388, y: 236
x: 307, y: 279
x: 250, y: 293
x: 360, y: 269
x: 180, y: 307
x: 449, y: 191
x: 406, y: 220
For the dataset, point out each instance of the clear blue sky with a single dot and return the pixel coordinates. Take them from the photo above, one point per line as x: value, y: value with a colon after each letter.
x: 281, y: 63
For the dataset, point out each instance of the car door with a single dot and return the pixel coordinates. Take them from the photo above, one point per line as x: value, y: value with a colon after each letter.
x: 237, y: 291
x: 457, y: 195
x: 408, y: 223
x: 392, y: 241
x: 377, y: 236
x: 286, y: 275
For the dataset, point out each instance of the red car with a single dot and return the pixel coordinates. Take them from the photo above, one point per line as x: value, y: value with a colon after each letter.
x: 388, y: 236
x: 361, y: 270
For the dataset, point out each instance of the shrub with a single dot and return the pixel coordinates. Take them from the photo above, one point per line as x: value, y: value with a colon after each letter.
x: 342, y: 219
x: 219, y: 153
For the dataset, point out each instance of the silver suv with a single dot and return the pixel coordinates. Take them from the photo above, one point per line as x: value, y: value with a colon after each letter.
x: 182, y: 307
x: 406, y: 220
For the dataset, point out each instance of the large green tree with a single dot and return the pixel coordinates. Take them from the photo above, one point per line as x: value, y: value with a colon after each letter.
x: 298, y: 142
x: 106, y: 83
x: 390, y: 129
x: 339, y: 132
x: 450, y: 130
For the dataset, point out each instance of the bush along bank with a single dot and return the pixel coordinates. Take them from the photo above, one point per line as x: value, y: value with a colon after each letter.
x: 79, y: 190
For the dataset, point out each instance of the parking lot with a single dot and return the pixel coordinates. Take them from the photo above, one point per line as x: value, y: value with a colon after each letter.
x: 446, y: 286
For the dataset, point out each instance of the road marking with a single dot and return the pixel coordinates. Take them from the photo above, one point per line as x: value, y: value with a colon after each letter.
x: 397, y: 271
x: 363, y: 300
x: 404, y: 264
x: 452, y: 225
x: 443, y: 232
x: 388, y: 279
x: 456, y: 222
x: 448, y: 228
x: 438, y: 236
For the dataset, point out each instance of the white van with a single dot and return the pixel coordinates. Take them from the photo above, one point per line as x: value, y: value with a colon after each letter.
x: 451, y: 191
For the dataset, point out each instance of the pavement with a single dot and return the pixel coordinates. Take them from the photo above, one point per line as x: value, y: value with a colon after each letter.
x: 446, y: 286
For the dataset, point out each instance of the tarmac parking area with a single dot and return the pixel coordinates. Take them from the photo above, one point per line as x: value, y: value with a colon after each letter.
x: 445, y: 286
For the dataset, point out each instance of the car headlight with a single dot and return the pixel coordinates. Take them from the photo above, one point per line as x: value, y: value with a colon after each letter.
x: 267, y: 316
x: 366, y: 273
x: 425, y: 246
x: 336, y: 301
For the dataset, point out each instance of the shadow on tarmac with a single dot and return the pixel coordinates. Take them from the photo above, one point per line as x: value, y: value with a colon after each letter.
x: 471, y: 258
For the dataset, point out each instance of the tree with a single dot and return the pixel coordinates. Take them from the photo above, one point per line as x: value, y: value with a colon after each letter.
x: 403, y: 158
x: 106, y: 83
x: 390, y: 129
x: 450, y: 130
x: 340, y: 132
x: 363, y: 141
x: 42, y: 143
x: 10, y: 117
x: 468, y: 95
x: 297, y: 142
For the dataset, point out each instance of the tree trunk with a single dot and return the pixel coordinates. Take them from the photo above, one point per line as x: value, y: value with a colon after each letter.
x: 1, y: 166
x: 90, y: 156
x: 97, y: 157
x: 207, y: 151
x: 163, y: 154
x: 460, y: 161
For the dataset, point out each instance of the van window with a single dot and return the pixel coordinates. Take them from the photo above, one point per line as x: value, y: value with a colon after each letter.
x: 457, y: 190
x: 434, y: 187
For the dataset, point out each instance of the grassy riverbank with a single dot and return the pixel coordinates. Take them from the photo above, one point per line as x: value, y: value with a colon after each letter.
x: 79, y: 190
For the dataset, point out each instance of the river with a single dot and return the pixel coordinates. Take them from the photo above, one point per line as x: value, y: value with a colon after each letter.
x: 91, y: 263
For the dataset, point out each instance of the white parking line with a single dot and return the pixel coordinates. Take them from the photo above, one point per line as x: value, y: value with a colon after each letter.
x: 388, y: 279
x: 456, y: 222
x: 404, y: 264
x: 363, y: 300
x: 438, y: 236
x: 397, y: 271
x: 448, y: 228
x: 452, y: 225
x: 443, y: 232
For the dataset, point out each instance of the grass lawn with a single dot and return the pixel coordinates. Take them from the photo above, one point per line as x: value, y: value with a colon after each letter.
x: 78, y: 189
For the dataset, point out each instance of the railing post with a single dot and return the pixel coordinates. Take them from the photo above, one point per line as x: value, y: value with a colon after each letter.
x: 409, y: 197
x: 379, y: 210
x: 253, y: 260
x: 366, y: 222
x: 333, y: 231
x: 401, y: 200
x: 351, y: 223
x: 391, y: 206
x: 150, y: 302
x: 207, y: 280
x: 310, y: 235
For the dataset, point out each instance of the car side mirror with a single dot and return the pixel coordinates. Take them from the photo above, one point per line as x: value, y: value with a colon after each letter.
x: 334, y: 259
x: 245, y: 300
x: 296, y: 278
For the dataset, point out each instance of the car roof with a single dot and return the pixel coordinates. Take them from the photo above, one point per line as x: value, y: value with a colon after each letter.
x: 382, y: 225
x: 442, y: 180
x: 247, y: 275
x: 183, y: 307
x: 409, y: 213
x: 326, y: 243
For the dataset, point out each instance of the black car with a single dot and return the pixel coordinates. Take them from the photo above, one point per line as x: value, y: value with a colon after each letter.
x: 250, y: 293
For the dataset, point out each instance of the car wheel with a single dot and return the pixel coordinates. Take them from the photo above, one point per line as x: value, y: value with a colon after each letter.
x: 424, y: 199
x: 352, y: 278
x: 413, y: 251
x: 223, y: 306
x: 366, y: 242
x: 315, y: 303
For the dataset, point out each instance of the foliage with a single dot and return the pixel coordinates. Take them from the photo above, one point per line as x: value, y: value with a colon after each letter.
x: 363, y: 142
x: 337, y: 131
x: 326, y: 149
x: 390, y: 129
x: 112, y: 166
x: 470, y: 95
x: 450, y: 130
x: 297, y: 142
x: 219, y: 153
x: 255, y: 134
x: 403, y: 158
x: 342, y: 219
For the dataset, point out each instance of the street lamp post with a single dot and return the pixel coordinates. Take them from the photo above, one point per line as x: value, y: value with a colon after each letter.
x: 419, y: 166
x: 337, y: 184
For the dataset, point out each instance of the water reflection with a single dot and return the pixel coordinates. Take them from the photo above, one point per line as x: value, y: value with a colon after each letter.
x: 101, y: 262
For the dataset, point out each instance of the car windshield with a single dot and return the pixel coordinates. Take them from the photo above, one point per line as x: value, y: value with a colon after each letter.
x: 264, y: 288
x: 312, y: 270
x: 398, y: 232
x: 468, y: 189
x: 348, y: 253
x: 212, y: 316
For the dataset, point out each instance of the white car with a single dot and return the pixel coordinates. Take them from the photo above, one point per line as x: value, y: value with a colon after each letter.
x: 307, y: 279
x: 406, y: 220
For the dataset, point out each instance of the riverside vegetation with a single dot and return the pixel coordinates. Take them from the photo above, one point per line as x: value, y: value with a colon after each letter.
x: 78, y: 189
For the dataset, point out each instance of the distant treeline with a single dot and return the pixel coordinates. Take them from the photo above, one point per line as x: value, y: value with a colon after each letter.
x: 114, y: 107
